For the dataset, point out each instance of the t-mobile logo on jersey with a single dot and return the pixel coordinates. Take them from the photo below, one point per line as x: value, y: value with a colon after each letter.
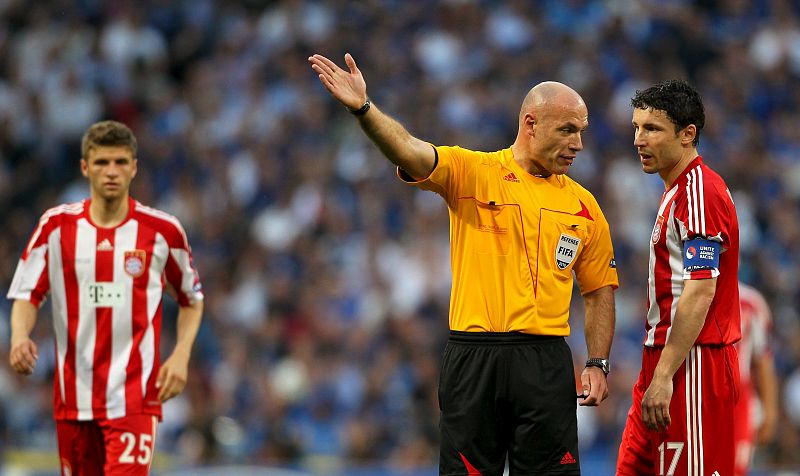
x: 105, y: 294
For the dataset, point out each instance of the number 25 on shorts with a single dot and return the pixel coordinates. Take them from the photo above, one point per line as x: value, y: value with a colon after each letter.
x: 140, y: 453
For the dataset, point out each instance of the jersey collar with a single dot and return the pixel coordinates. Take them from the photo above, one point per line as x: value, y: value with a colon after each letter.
x: 683, y: 177
x: 87, y: 214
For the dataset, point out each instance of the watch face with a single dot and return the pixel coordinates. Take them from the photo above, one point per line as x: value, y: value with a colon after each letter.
x: 603, y: 364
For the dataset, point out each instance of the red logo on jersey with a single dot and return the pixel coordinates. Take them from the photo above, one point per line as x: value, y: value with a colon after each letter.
x: 134, y: 262
x: 657, y: 229
x: 568, y: 459
x: 583, y: 213
x: 511, y: 178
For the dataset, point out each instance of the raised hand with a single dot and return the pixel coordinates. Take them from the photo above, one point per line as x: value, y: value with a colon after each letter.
x: 348, y: 87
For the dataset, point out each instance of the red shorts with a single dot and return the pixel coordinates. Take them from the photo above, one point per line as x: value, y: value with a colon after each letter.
x: 122, y: 446
x: 699, y: 441
x: 745, y: 432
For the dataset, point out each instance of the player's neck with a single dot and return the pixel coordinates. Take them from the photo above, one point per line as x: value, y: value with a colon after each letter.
x: 108, y: 213
x: 672, y: 174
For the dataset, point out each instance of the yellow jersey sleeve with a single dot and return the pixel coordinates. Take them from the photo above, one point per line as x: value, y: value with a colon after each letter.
x: 447, y: 174
x: 595, y: 267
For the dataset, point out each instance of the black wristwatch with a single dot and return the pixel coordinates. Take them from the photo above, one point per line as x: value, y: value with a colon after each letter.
x: 602, y: 364
x: 362, y: 110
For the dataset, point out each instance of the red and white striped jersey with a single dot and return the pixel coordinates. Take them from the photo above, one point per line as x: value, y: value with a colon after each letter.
x: 698, y: 206
x: 106, y: 288
x: 756, y: 326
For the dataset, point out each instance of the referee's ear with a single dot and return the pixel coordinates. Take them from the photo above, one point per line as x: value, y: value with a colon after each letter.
x: 529, y: 122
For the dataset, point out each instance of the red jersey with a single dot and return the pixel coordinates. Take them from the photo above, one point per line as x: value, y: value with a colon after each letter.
x: 696, y: 219
x: 106, y: 287
x: 756, y: 325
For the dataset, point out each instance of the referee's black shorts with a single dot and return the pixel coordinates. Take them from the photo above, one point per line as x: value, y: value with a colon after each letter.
x: 507, y: 392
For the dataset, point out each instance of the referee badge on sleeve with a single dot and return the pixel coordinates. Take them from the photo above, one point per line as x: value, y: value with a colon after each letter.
x: 566, y: 250
x: 134, y: 262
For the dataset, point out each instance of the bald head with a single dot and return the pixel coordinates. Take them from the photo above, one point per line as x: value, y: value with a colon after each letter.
x: 549, y: 94
x: 551, y: 121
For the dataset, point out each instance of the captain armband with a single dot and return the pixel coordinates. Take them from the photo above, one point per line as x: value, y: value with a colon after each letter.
x: 701, y: 253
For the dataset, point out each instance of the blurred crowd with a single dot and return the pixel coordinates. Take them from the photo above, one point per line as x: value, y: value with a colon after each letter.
x: 326, y: 278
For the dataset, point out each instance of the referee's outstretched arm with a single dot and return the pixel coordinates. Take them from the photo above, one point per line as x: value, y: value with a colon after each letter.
x: 414, y: 156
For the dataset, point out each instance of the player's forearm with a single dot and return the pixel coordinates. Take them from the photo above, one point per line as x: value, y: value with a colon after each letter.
x: 401, y: 148
x: 188, y: 324
x: 690, y: 316
x: 599, y: 322
x: 23, y: 319
x: 767, y: 385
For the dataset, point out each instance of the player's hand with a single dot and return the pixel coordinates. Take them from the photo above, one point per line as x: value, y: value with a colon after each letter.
x: 172, y: 376
x: 23, y: 355
x: 348, y: 87
x: 595, y: 386
x: 766, y: 432
x: 655, y: 404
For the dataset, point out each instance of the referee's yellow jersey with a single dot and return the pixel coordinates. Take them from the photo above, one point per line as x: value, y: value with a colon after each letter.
x: 515, y: 242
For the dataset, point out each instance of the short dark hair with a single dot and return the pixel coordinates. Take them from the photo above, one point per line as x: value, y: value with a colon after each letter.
x: 678, y: 99
x: 108, y: 134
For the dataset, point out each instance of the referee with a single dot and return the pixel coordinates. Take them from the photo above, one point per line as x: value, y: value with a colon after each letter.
x: 519, y: 230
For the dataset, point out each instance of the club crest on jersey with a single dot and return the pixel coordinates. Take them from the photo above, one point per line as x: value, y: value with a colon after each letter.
x: 134, y: 262
x: 657, y: 229
x: 566, y: 250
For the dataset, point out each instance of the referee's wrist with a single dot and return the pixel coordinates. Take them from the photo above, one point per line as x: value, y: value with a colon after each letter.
x: 361, y: 110
x: 600, y: 363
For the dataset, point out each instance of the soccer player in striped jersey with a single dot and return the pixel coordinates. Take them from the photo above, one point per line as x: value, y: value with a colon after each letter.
x: 757, y: 409
x: 105, y: 263
x: 681, y: 420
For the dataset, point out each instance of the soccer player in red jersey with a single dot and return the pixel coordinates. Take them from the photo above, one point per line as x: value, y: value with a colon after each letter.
x: 757, y: 409
x: 105, y: 263
x: 682, y: 417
